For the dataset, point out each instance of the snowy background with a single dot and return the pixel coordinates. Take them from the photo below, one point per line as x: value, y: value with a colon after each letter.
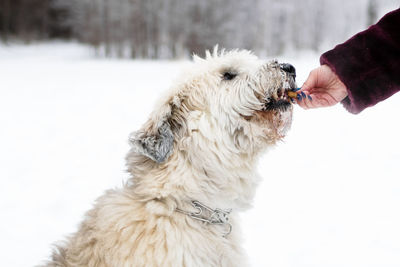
x: 330, y: 194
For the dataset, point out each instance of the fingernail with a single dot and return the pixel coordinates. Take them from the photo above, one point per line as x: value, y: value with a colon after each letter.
x: 303, y: 94
x: 299, y: 97
x: 309, y: 97
x: 297, y: 89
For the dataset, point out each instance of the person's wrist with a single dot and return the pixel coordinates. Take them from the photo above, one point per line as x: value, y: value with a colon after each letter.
x: 340, y: 87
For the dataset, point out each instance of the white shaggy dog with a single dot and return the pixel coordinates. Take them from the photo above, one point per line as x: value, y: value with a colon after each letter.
x: 193, y: 168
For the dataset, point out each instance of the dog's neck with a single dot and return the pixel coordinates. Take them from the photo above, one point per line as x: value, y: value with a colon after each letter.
x: 220, y: 175
x: 226, y: 186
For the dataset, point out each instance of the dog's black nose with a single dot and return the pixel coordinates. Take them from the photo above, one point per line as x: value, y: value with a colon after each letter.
x: 288, y: 68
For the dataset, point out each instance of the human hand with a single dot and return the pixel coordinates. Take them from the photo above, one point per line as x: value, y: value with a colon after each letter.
x: 324, y: 87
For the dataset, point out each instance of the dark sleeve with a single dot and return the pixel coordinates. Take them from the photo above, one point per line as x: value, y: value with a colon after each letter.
x: 369, y: 63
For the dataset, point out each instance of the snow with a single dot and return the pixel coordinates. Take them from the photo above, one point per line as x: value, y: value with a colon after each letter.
x: 330, y: 195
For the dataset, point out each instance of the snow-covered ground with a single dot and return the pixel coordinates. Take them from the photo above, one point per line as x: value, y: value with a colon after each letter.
x: 330, y: 195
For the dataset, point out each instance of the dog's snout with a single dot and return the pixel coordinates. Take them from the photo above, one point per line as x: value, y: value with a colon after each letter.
x: 288, y: 68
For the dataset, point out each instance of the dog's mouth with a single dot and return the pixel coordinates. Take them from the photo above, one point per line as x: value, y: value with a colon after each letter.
x: 280, y: 101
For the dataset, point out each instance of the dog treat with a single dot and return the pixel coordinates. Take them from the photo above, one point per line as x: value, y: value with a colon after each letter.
x: 292, y: 94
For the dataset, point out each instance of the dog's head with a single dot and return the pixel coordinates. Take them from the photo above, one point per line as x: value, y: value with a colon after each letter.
x: 229, y: 103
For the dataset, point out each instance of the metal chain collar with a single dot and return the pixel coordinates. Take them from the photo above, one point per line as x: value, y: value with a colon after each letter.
x: 209, y: 215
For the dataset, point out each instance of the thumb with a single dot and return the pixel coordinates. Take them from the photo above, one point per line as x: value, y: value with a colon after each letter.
x: 311, y: 81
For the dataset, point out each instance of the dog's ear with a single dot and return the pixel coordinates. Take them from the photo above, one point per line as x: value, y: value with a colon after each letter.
x: 156, y: 145
x: 156, y: 138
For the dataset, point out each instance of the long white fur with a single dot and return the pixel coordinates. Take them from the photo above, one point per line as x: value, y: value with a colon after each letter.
x: 218, y: 133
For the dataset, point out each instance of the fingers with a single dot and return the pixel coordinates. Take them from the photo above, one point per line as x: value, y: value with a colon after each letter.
x: 305, y: 100
x: 300, y: 97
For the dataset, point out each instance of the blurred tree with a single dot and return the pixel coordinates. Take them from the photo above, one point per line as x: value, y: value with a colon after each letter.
x: 5, y: 13
x: 29, y: 20
x: 372, y: 12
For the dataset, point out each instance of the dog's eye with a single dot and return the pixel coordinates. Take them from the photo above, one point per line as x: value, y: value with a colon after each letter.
x: 229, y: 76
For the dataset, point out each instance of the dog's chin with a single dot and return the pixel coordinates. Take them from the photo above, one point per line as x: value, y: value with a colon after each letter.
x: 274, y: 120
x: 275, y: 116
